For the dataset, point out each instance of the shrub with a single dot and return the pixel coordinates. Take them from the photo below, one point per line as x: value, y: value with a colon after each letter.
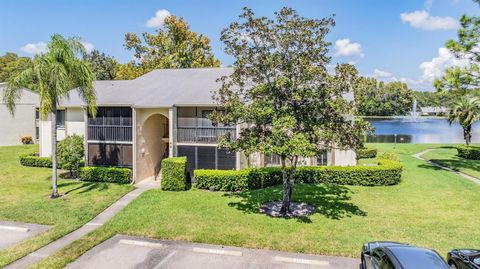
x: 469, y: 152
x: 35, y: 161
x: 71, y: 153
x: 174, y: 175
x: 392, y: 156
x: 26, y: 139
x: 387, y: 172
x: 366, y: 153
x: 105, y: 174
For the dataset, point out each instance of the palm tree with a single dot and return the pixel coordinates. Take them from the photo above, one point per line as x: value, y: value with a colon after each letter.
x: 466, y: 111
x: 53, y: 75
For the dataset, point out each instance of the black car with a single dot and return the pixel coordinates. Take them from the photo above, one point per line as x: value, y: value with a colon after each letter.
x: 464, y: 259
x: 393, y: 255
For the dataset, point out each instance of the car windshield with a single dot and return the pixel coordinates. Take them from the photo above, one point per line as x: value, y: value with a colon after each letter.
x: 476, y: 260
x: 416, y: 258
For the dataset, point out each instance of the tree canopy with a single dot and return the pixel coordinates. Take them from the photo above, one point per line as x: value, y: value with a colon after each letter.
x: 103, y: 66
x: 11, y: 64
x: 376, y: 98
x: 172, y: 46
x: 465, y: 48
x: 281, y: 93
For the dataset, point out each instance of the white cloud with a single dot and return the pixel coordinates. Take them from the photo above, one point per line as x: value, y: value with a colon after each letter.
x: 88, y: 46
x: 436, y: 66
x: 423, y: 20
x: 430, y: 70
x: 159, y: 18
x: 344, y: 47
x: 35, y: 48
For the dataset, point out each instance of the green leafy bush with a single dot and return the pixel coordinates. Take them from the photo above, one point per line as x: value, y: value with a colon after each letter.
x: 389, y: 155
x: 387, y: 172
x: 469, y: 152
x: 174, y: 176
x: 366, y: 153
x: 105, y: 174
x: 70, y: 154
x: 35, y: 161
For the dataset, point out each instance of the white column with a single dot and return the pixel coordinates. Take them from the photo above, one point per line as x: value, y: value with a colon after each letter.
x: 134, y: 144
x: 172, y: 131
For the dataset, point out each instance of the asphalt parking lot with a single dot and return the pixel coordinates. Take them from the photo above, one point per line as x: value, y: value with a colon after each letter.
x: 132, y: 252
x: 12, y: 233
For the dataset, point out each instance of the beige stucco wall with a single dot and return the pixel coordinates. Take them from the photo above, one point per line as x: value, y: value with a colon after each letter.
x: 74, y: 124
x: 149, y: 145
x: 344, y: 157
x: 13, y: 127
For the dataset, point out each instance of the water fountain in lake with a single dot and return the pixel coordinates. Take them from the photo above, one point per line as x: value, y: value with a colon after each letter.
x: 414, y: 115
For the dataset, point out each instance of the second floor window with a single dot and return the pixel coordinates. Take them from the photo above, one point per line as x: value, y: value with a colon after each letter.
x: 61, y: 119
x: 111, y: 124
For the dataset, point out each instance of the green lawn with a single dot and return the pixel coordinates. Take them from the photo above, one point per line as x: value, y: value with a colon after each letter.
x: 430, y: 207
x: 24, y: 196
x: 447, y: 156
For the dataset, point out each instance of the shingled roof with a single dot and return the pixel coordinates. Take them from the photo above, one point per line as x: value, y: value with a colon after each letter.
x: 160, y: 88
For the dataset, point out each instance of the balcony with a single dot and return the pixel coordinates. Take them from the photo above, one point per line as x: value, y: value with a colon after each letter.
x: 203, y: 135
x: 109, y: 133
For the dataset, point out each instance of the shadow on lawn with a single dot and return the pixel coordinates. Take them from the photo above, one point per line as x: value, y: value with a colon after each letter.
x: 83, y: 187
x: 332, y: 201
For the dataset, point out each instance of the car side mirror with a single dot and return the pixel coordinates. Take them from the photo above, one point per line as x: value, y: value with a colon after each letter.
x: 367, y: 252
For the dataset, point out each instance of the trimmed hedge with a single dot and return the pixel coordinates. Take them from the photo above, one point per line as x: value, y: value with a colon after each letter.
x: 105, y: 174
x: 35, y: 161
x: 469, y: 152
x: 366, y: 153
x: 385, y: 173
x: 174, y: 175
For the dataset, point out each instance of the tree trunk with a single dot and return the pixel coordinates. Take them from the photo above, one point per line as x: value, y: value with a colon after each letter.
x: 54, y: 151
x: 287, y: 177
x: 467, y: 134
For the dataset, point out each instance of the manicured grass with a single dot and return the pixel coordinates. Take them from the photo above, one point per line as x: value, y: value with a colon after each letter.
x: 431, y: 207
x: 447, y: 156
x: 24, y: 196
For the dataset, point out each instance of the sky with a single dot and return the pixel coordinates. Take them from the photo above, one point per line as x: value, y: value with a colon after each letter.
x: 391, y: 40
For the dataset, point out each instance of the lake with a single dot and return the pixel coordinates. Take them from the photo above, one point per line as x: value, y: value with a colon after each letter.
x: 423, y: 130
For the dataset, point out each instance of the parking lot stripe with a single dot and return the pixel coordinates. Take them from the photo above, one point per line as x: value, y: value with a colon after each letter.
x: 13, y: 228
x: 165, y: 259
x: 140, y: 243
x: 301, y: 261
x: 217, y: 251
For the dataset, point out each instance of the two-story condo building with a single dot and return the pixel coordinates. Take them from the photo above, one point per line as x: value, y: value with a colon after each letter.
x: 160, y: 114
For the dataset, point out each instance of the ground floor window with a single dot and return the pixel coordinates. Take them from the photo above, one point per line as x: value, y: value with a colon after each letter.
x: 204, y: 157
x: 109, y: 154
x: 322, y: 158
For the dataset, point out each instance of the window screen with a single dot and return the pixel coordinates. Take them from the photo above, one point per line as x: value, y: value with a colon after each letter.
x: 322, y: 158
x: 103, y: 154
x: 226, y: 160
x: 202, y: 157
x: 60, y: 118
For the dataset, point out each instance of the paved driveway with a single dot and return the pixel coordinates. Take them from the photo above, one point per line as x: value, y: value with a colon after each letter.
x: 12, y: 233
x: 131, y: 252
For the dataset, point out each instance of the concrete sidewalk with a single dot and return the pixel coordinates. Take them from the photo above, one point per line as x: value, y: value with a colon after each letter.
x: 419, y: 156
x: 98, y: 221
x: 135, y: 252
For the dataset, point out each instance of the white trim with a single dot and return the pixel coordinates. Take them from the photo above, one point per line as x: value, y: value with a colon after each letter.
x: 197, y: 144
x: 109, y: 142
x: 134, y: 144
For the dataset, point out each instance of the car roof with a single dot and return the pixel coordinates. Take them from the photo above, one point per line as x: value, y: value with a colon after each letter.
x: 379, y: 244
x: 414, y: 257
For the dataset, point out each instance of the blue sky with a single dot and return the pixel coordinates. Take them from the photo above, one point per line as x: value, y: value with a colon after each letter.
x: 387, y: 39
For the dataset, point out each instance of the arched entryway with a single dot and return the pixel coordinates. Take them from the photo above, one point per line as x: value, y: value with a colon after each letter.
x: 154, y: 138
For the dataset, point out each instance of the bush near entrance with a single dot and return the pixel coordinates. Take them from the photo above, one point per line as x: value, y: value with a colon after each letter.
x: 105, y: 174
x: 174, y: 176
x: 386, y: 172
x: 469, y: 152
x: 366, y: 153
x: 35, y: 161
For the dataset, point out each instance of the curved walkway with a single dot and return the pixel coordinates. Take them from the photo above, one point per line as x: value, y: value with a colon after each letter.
x: 471, y: 178
x: 95, y: 223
